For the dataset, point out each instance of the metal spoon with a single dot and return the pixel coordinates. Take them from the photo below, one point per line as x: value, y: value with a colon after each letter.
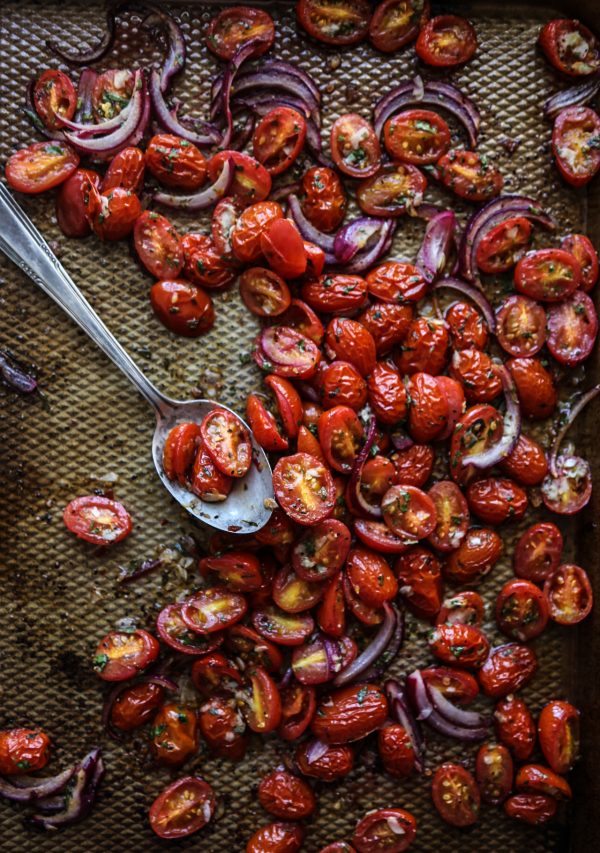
x: 250, y: 503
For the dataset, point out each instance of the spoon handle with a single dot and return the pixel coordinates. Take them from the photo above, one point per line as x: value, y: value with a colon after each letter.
x: 22, y: 243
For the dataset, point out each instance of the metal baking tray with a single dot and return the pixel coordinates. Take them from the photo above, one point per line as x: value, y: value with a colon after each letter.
x: 88, y: 429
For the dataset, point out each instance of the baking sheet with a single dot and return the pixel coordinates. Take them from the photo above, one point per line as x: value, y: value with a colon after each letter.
x: 88, y: 426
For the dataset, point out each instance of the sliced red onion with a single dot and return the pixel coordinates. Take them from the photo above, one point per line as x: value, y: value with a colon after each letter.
x: 15, y: 376
x: 575, y: 96
x: 400, y: 438
x: 474, y: 294
x: 147, y: 566
x: 169, y: 121
x: 81, y: 796
x: 585, y: 398
x: 205, y: 197
x: 373, y: 651
x: 388, y: 656
x: 288, y: 68
x: 495, y: 211
x: 87, y: 57
x: 453, y: 714
x: 175, y: 60
x: 242, y: 133
x: 355, y: 237
x: 85, y: 88
x: 359, y: 504
x: 262, y: 103
x: 419, y: 698
x: 437, y: 245
x: 242, y: 54
x: 364, y: 260
x: 512, y: 425
x: 84, y: 130
x: 315, y: 750
x: 282, y: 193
x: 309, y: 232
x: 402, y: 713
x: 278, y: 80
x: 37, y: 788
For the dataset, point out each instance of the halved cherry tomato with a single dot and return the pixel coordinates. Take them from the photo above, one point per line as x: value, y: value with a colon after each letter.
x: 414, y: 465
x: 174, y: 734
x: 298, y: 705
x: 261, y: 702
x: 233, y: 27
x: 253, y: 649
x: 318, y: 661
x: 111, y: 93
x: 388, y: 324
x: 445, y: 41
x: 534, y: 809
x: 475, y: 557
x: 459, y: 645
x: 251, y: 182
x: 467, y: 327
x: 521, y: 610
x: 157, y: 245
x: 183, y: 807
x: 124, y: 654
x: 572, y: 329
x: 339, y: 22
x: 307, y: 443
x: 348, y: 340
x: 175, y: 633
x: 207, y: 481
x: 227, y: 441
x: 99, y: 520
x: 463, y: 608
x: 324, y: 200
x: 288, y: 402
x: 503, y: 245
x: 340, y: 434
x: 581, y: 247
x: 535, y: 387
x: 396, y: 750
x: 335, y: 762
x: 301, y: 316
x: 377, y: 476
x: 409, y: 512
x: 175, y: 162
x: 239, y: 570
x: 339, y: 293
x: 420, y: 581
x: 278, y: 139
x: 204, y: 265
x: 54, y: 98
x: 113, y: 214
x: 457, y: 685
x: 419, y: 137
x: 496, y: 499
x: 248, y: 228
x: 521, y: 326
x: 570, y: 47
x: 180, y: 450
x: 126, y: 170
x: 183, y: 307
x: 23, y: 750
x: 365, y: 613
x: 396, y: 23
x: 293, y: 594
x: 286, y: 629
x: 576, y: 144
x: 287, y: 353
x: 286, y: 796
x: 223, y: 727
x: 72, y: 200
x: 395, y: 281
x: 395, y: 189
x: 508, y: 668
x: 304, y: 488
x: 515, y: 726
x: 425, y: 347
x: 224, y: 220
x: 350, y: 713
x: 264, y: 426
x: 370, y: 576
x: 480, y: 428
x: 455, y: 795
x: 385, y: 831
x: 379, y: 537
x: 570, y: 490
x: 494, y: 773
x: 469, y: 175
x: 452, y: 516
x: 283, y: 248
x: 135, y: 706
x: 549, y: 275
x: 213, y: 609
x: 537, y: 779
x: 264, y: 292
x: 41, y: 166
x: 558, y: 730
x: 331, y: 613
x: 321, y: 551
x: 569, y: 594
x: 428, y: 411
x: 354, y: 146
x: 526, y: 463
x: 213, y: 672
x: 537, y: 553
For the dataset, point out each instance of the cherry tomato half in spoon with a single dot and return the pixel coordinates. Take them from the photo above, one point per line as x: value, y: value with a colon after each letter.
x: 227, y: 441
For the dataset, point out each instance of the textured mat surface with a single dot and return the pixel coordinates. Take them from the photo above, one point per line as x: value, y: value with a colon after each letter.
x: 90, y: 430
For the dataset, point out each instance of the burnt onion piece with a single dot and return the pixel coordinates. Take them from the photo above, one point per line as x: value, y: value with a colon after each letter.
x: 581, y: 403
x: 364, y: 665
x: 402, y: 713
x: 433, y: 94
x: 205, y: 135
x: 494, y: 212
x: 575, y: 96
x: 79, y: 797
x: 438, y: 242
x: 147, y: 566
x: 419, y: 698
x: 14, y: 375
x: 36, y: 789
x: 205, y: 197
x: 471, y: 292
x: 159, y: 20
x: 94, y: 54
x: 512, y: 425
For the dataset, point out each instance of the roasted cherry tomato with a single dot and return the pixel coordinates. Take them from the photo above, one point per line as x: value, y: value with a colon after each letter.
x: 293, y: 594
x: 286, y: 796
x: 479, y: 429
x: 41, y: 166
x: 558, y: 730
x: 494, y: 773
x: 213, y: 609
x: 175, y: 162
x: 420, y: 581
x: 261, y: 702
x: 157, y: 245
x: 251, y: 181
x: 534, y: 809
x: 419, y: 137
x: 135, y: 706
x: 283, y: 248
x: 233, y: 27
x: 572, y: 329
x: 569, y: 594
x: 521, y: 610
x: 477, y: 374
x: 507, y: 669
x: 396, y: 750
x: 387, y: 393
x: 350, y: 713
x: 327, y: 765
x: 363, y: 612
x: 72, y: 200
x: 460, y: 645
x: 285, y: 629
x: 183, y: 807
x: 396, y: 23
x: 463, y: 608
x: 570, y: 490
x: 515, y: 726
x: 445, y: 41
x: 224, y: 221
x: 581, y: 247
x: 183, y: 307
x: 304, y: 488
x: 370, y: 576
x: 570, y: 47
x: 526, y: 463
x: 278, y: 139
x: 469, y: 175
x: 206, y: 480
x: 549, y: 275
x: 452, y: 516
x: 457, y: 685
x: 521, y: 326
x: 204, y: 265
x: 321, y: 551
x: 287, y: 353
x: 249, y: 227
x: 455, y: 795
x: 253, y: 649
x: 23, y: 750
x: 276, y: 837
x: 495, y: 500
x: 409, y: 512
x: 395, y: 189
x: 340, y: 384
x: 223, y: 727
x: 537, y: 779
x: 302, y: 317
x: 425, y: 347
x: 467, y: 327
x: 538, y: 552
x: 354, y: 145
x: 503, y: 245
x: 123, y: 654
x: 395, y: 281
x: 227, y: 441
x: 97, y: 519
x: 337, y: 294
x: 335, y: 22
x: 576, y: 143
x: 54, y: 98
x: 324, y: 200
x: 264, y: 292
x: 348, y: 340
x: 126, y: 170
x: 455, y: 399
x: 331, y: 613
x: 111, y: 93
x: 239, y: 570
x: 264, y: 426
x: 385, y: 831
x: 535, y: 387
x: 176, y: 634
x: 475, y: 557
x: 174, y: 734
x: 414, y: 465
x: 387, y: 323
x: 318, y: 661
x: 298, y: 705
x: 288, y: 402
x: 113, y: 213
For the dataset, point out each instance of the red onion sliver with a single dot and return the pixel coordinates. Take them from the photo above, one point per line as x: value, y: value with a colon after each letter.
x: 453, y: 714
x: 37, y: 789
x: 81, y: 797
x: 315, y: 750
x: 121, y: 135
x: 472, y: 293
x: 575, y: 96
x: 581, y: 403
x: 437, y: 244
x: 403, y: 715
x: 355, y: 237
x: 169, y: 121
x: 205, y: 197
x: 175, y: 60
x: 418, y: 696
x: 308, y: 230
x: 358, y: 500
x: 375, y: 648
x: 512, y: 425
